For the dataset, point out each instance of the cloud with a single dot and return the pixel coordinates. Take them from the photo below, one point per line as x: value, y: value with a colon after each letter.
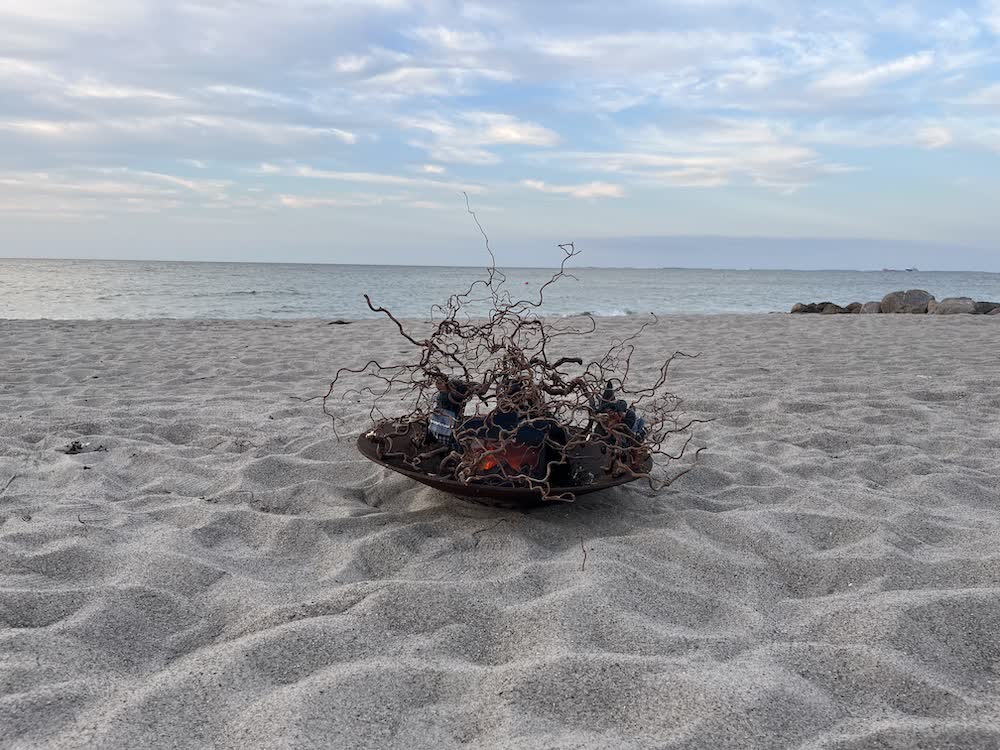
x: 495, y: 128
x: 987, y: 96
x: 934, y: 136
x: 98, y: 191
x: 586, y: 190
x: 908, y: 132
x: 177, y: 126
x: 644, y: 51
x: 78, y: 13
x: 418, y: 81
x: 430, y: 205
x: 361, y: 200
x: 313, y: 201
x: 991, y: 15
x: 378, y: 74
x: 97, y: 89
x: 958, y: 28
x: 462, y: 140
x: 855, y: 83
x: 453, y: 40
x: 191, y: 106
x: 713, y: 153
x: 372, y: 178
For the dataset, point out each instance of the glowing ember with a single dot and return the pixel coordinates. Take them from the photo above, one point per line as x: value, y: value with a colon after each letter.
x: 513, y: 456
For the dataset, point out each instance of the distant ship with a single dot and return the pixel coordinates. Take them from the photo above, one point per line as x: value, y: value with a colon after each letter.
x: 900, y: 270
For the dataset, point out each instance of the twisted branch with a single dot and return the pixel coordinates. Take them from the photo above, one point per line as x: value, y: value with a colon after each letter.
x: 488, y: 404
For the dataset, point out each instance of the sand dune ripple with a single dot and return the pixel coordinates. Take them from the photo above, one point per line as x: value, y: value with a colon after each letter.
x: 227, y: 574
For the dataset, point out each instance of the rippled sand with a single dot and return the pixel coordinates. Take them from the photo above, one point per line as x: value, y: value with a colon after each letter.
x: 227, y: 574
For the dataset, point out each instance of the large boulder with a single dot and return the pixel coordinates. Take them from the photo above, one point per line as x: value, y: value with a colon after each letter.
x: 953, y: 306
x: 871, y: 308
x: 910, y: 301
x: 985, y: 308
x: 994, y: 311
x: 826, y: 308
x: 810, y: 307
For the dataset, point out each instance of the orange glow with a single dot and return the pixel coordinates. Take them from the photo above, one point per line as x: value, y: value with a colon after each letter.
x: 516, y: 457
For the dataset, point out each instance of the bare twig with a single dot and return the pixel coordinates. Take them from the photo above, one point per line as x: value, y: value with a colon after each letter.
x: 583, y: 565
x: 253, y: 498
x: 477, y: 532
x: 9, y: 482
x: 504, y: 369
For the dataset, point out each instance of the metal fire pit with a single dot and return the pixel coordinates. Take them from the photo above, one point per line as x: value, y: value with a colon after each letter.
x: 391, y: 443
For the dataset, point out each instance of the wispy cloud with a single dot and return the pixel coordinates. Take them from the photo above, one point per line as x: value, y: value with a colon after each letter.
x: 318, y: 201
x: 463, y: 139
x: 714, y: 153
x: 934, y: 136
x: 95, y: 192
x: 988, y: 96
x: 172, y: 128
x: 371, y: 178
x: 857, y: 82
x: 585, y: 190
x: 166, y: 108
x: 991, y: 15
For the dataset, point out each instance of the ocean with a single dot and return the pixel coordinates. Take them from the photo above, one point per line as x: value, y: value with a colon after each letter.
x: 99, y: 289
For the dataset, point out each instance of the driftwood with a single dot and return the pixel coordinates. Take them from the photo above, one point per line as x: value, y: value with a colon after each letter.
x: 492, y: 402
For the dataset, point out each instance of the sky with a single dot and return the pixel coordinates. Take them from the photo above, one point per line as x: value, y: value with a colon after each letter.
x: 853, y: 134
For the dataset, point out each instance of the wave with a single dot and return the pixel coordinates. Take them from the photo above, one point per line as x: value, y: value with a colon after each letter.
x: 250, y: 293
x: 611, y: 313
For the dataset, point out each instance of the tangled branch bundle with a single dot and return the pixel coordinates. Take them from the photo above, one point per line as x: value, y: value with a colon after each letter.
x: 494, y: 403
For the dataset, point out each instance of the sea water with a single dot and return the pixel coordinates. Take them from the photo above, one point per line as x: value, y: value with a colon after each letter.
x: 98, y: 289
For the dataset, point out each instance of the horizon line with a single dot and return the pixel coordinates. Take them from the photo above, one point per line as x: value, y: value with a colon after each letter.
x: 499, y: 267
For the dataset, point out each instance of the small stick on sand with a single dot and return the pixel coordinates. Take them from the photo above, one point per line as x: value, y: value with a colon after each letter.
x: 583, y: 565
x: 9, y: 482
x: 253, y: 498
x: 477, y: 532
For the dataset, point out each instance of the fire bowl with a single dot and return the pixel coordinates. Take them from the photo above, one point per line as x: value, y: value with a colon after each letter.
x: 391, y: 444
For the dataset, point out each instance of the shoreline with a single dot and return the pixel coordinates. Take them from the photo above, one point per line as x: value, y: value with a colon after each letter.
x: 333, y: 321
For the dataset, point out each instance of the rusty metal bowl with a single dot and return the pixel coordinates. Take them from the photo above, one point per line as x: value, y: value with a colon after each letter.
x: 391, y: 442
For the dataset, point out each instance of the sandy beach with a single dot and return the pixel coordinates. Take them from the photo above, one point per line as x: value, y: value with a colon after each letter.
x: 217, y: 570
